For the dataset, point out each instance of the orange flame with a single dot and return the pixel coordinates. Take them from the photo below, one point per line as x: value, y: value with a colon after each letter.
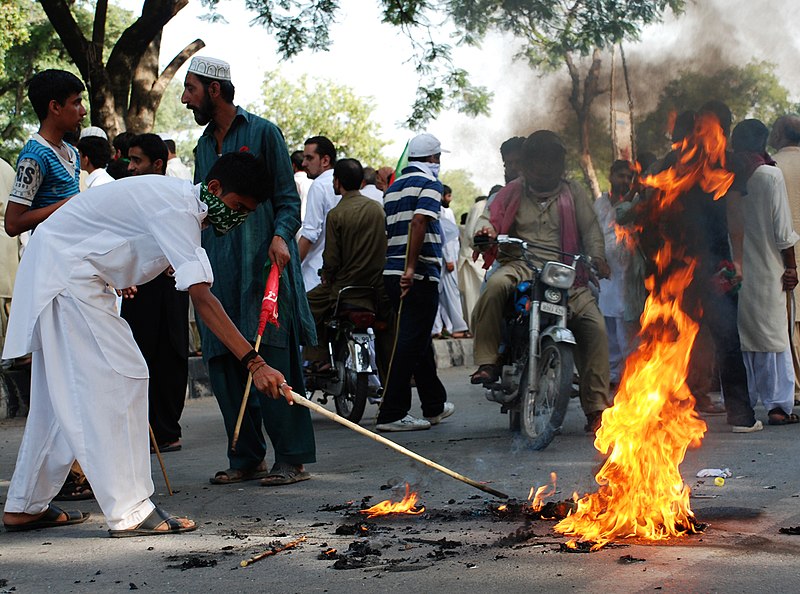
x: 405, y: 506
x: 537, y: 498
x: 652, y: 423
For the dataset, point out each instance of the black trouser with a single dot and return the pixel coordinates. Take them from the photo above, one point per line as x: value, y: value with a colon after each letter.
x: 719, y: 312
x: 413, y: 352
x: 159, y: 319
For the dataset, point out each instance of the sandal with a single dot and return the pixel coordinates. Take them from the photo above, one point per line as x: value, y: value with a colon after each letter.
x: 237, y: 475
x: 149, y: 526
x: 49, y: 519
x: 284, y: 474
x: 778, y: 417
x: 163, y: 448
x: 76, y: 488
x: 486, y: 374
x: 464, y: 334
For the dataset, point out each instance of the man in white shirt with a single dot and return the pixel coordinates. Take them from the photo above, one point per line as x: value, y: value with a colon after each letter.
x: 369, y: 187
x: 88, y: 378
x: 95, y: 152
x: 175, y: 167
x: 301, y: 181
x: 319, y: 157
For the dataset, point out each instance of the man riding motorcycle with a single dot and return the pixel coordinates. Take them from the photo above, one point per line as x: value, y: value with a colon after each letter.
x: 543, y: 208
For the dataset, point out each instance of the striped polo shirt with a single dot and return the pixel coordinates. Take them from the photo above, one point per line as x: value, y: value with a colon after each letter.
x: 43, y: 176
x: 414, y: 192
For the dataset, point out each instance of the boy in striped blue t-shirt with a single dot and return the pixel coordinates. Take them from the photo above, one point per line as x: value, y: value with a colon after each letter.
x: 411, y: 277
x: 48, y: 169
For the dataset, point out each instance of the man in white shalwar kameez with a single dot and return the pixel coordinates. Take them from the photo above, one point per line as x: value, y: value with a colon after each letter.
x: 768, y: 272
x: 450, y: 315
x: 89, y: 380
x: 618, y: 256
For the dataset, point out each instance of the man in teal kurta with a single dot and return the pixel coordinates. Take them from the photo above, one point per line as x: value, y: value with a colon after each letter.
x: 238, y: 259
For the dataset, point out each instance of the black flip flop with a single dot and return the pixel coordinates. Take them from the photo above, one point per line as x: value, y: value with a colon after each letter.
x: 148, y: 526
x: 49, y: 520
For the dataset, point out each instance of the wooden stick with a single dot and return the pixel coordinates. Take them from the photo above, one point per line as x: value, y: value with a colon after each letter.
x: 244, y: 402
x: 298, y: 399
x: 272, y: 551
x: 160, y: 459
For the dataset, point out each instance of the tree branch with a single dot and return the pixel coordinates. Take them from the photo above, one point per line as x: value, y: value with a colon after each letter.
x: 169, y: 72
x: 69, y: 32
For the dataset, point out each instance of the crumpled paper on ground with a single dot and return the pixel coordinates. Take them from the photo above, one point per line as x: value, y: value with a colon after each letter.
x: 723, y: 472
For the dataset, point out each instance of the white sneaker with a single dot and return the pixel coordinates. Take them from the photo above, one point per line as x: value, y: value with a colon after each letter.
x: 407, y: 423
x: 758, y: 426
x: 449, y: 409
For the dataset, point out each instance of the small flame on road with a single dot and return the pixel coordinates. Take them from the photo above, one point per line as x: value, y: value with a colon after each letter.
x: 407, y: 505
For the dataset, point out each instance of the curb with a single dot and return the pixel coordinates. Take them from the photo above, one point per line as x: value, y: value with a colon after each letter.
x: 15, y: 384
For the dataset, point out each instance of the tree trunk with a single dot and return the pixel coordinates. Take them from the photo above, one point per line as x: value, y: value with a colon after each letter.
x: 583, y: 94
x: 109, y: 83
x: 148, y: 86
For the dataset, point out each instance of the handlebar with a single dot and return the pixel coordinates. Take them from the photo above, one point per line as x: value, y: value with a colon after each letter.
x: 482, y: 241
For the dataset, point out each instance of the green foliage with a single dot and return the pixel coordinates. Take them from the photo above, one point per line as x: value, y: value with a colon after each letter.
x: 12, y: 27
x: 552, y: 29
x: 310, y: 107
x: 751, y: 91
x: 304, y: 24
x: 464, y: 190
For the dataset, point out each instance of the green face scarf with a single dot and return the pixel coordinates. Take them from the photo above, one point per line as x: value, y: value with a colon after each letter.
x: 221, y: 216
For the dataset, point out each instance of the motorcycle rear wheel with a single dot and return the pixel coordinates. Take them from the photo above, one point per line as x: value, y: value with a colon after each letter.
x: 352, y: 400
x: 542, y: 412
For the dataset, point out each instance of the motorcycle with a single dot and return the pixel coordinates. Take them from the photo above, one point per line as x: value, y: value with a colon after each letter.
x: 537, y: 358
x: 350, y: 346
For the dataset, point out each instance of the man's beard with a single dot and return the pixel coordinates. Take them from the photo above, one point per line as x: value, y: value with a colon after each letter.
x: 204, y: 113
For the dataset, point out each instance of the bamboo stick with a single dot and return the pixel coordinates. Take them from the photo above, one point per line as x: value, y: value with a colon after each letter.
x: 272, y: 551
x: 298, y: 399
x: 243, y: 407
x: 160, y: 459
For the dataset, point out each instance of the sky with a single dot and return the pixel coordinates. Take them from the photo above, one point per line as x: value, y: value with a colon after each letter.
x: 372, y: 57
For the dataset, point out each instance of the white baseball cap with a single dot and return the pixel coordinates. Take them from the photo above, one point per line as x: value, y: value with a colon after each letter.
x: 424, y: 145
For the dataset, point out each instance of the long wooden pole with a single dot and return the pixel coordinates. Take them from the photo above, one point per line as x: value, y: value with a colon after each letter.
x: 160, y: 459
x: 244, y: 402
x: 302, y: 401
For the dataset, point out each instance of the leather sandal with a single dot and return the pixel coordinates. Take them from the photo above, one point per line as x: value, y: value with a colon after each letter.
x: 151, y: 524
x: 283, y: 473
x: 486, y: 374
x: 49, y: 519
x: 237, y: 475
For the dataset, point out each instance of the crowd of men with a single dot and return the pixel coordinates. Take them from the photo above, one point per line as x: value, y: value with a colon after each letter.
x: 102, y: 297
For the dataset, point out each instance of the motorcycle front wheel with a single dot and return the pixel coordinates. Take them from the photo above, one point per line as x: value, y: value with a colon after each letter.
x: 542, y: 412
x: 352, y: 399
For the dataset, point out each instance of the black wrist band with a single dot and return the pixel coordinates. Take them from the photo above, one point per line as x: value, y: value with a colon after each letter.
x: 248, y: 357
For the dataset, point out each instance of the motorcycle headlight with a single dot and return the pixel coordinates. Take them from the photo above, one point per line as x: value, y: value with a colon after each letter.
x: 558, y: 275
x: 552, y: 295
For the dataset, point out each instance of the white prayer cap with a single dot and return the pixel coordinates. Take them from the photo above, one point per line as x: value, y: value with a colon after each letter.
x: 94, y: 131
x: 210, y: 68
x: 424, y: 145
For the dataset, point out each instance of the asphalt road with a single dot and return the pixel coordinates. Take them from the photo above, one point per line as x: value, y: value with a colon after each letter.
x: 456, y: 544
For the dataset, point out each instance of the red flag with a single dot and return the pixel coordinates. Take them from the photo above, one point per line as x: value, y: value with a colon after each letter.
x: 269, y: 304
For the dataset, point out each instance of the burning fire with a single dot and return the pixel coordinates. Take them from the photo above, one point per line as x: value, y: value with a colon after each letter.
x: 405, y: 506
x: 537, y: 498
x: 652, y: 423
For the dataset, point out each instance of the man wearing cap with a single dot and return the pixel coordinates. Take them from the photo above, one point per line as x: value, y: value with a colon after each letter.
x: 541, y: 207
x: 411, y: 277
x: 95, y: 152
x: 239, y: 259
